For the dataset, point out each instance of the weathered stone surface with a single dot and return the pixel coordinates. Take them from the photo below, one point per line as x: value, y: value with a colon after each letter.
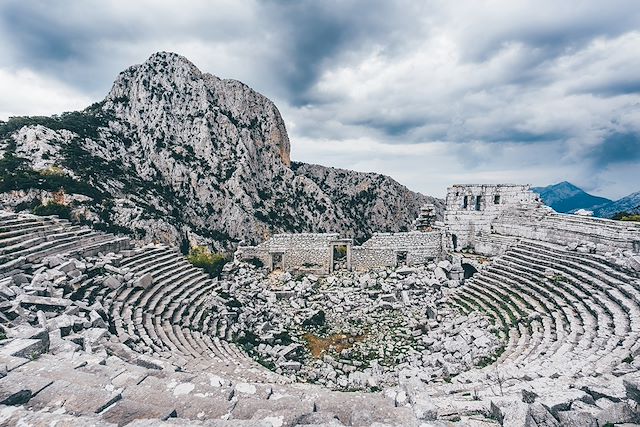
x: 618, y: 413
x: 25, y: 347
x: 577, y: 419
x: 18, y: 388
x: 126, y: 411
x: 44, y: 303
x: 73, y: 398
x: 632, y: 387
x: 143, y: 281
x: 17, y: 416
x: 365, y: 409
x: 112, y: 282
x: 290, y: 408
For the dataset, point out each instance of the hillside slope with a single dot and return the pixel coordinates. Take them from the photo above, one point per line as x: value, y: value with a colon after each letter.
x: 629, y: 204
x: 183, y: 157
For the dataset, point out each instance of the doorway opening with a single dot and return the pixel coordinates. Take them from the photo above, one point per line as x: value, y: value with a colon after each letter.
x: 339, y: 259
x: 277, y: 261
x: 454, y: 242
x: 401, y: 258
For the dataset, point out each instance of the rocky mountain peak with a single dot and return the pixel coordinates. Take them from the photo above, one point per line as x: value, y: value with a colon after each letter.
x: 176, y: 155
x: 167, y: 89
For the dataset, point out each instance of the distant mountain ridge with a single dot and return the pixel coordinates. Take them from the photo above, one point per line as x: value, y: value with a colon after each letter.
x: 629, y: 204
x: 566, y: 197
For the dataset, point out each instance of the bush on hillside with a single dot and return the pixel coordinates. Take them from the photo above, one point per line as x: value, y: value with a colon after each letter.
x: 626, y: 216
x: 53, y: 208
x: 201, y: 256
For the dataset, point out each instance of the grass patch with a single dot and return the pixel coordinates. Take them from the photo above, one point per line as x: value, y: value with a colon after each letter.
x: 53, y: 208
x: 201, y: 256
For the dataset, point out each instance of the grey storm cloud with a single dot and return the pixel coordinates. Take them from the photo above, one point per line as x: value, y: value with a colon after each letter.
x: 430, y: 92
x: 617, y: 148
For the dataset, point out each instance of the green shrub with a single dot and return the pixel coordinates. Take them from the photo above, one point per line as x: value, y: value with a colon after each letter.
x: 201, y: 256
x: 53, y: 208
x: 626, y: 216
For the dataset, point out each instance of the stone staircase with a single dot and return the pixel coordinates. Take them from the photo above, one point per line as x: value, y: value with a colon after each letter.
x: 27, y: 239
x: 561, y: 312
x: 177, y: 317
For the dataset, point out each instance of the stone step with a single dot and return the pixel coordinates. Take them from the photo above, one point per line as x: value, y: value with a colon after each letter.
x: 142, y: 254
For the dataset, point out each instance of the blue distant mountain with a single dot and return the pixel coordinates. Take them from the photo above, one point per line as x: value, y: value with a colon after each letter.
x: 629, y: 204
x: 566, y: 197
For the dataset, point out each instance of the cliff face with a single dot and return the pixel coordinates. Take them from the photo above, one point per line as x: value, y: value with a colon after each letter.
x: 176, y: 155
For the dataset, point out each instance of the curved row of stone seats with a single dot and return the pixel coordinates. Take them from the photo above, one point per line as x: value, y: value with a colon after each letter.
x: 27, y: 239
x: 560, y: 228
x: 176, y: 317
x: 564, y: 313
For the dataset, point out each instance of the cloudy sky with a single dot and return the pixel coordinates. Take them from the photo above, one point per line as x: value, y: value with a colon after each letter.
x: 429, y: 92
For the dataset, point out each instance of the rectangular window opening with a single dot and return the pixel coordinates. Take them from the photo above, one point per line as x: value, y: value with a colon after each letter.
x: 478, y: 200
x: 496, y: 200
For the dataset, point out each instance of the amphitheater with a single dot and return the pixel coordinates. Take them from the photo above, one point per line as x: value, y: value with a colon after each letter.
x: 99, y: 330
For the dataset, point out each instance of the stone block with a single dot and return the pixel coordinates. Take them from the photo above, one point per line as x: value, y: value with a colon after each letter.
x: 112, y: 282
x: 43, y: 303
x: 143, y: 281
x: 631, y: 384
x: 96, y: 320
x: 577, y: 419
x: 73, y: 398
x: 64, y: 323
x: 617, y: 413
x: 25, y: 347
x: 12, y: 362
x: 126, y: 410
x: 18, y: 388
x: 6, y: 292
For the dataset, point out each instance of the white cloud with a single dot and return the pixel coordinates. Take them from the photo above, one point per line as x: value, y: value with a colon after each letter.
x: 27, y: 93
x: 431, y: 93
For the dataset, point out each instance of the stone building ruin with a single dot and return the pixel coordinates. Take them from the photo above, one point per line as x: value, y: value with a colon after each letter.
x: 479, y: 218
x: 316, y: 253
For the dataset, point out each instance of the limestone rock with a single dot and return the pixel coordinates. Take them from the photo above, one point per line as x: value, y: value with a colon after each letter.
x: 143, y: 281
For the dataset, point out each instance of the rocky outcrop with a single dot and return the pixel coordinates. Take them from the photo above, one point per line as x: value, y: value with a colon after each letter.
x: 180, y: 156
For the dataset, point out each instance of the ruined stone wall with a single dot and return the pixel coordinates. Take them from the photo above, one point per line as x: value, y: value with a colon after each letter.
x: 471, y: 209
x: 382, y: 249
x: 492, y: 244
x: 313, y: 252
x: 368, y: 258
x: 305, y: 251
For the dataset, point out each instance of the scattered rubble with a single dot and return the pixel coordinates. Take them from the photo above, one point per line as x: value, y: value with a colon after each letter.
x: 365, y: 327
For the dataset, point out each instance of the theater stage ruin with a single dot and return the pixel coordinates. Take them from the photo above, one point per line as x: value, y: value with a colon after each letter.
x: 504, y: 313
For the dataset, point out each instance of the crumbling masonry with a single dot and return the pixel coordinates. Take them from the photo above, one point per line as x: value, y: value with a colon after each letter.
x: 483, y: 219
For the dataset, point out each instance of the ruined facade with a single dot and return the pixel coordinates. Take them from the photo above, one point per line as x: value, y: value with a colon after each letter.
x: 480, y: 218
x: 489, y: 218
x: 323, y: 253
x: 471, y: 209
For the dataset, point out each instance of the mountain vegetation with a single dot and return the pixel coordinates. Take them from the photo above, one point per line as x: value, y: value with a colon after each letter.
x: 183, y: 157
